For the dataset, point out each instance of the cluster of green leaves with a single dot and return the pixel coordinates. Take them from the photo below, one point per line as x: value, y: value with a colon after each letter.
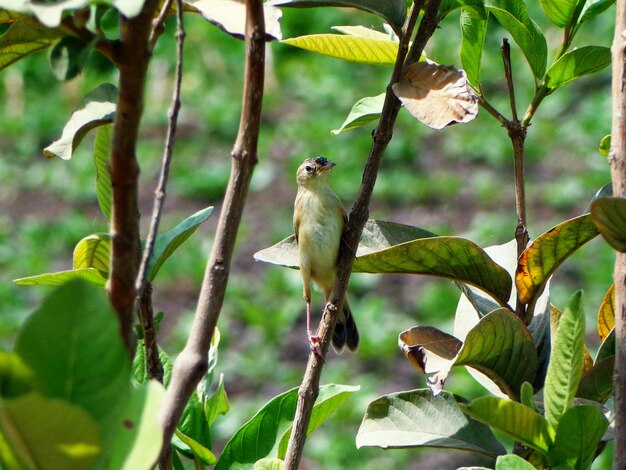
x: 512, y: 356
x: 65, y: 404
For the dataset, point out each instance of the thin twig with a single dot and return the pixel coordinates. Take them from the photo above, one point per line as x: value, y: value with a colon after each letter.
x: 505, y: 48
x: 309, y: 388
x: 487, y: 106
x: 192, y: 362
x: 154, y: 367
x: 160, y: 192
x: 158, y: 24
x: 132, y: 57
x: 617, y: 159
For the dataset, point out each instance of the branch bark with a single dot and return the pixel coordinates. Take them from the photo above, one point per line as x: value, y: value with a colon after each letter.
x: 132, y: 58
x: 617, y: 159
x: 309, y: 389
x: 192, y: 363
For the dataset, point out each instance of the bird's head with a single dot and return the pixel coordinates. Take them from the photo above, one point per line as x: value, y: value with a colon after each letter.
x: 314, y: 171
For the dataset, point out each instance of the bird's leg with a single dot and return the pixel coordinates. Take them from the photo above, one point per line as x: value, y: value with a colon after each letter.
x: 314, y: 340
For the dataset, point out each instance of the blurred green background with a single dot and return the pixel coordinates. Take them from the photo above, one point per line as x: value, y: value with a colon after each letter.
x: 455, y: 181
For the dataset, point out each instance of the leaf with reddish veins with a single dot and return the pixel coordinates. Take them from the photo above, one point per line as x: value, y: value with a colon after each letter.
x: 436, y: 95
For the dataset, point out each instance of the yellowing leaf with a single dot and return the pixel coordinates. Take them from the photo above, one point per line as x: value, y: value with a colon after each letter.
x: 548, y: 252
x: 352, y: 48
x: 436, y: 95
x: 606, y: 313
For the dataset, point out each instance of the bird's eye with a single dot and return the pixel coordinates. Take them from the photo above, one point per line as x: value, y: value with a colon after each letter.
x: 308, y: 168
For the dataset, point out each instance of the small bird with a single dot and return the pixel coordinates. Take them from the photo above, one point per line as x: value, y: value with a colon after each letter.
x: 318, y: 222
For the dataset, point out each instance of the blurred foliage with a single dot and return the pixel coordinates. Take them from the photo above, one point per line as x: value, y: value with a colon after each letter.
x: 456, y: 181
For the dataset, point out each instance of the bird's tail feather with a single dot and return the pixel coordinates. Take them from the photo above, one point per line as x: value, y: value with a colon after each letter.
x: 346, y: 332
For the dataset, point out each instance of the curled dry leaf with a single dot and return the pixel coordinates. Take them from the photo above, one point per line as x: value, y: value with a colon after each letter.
x: 437, y: 95
x: 431, y: 351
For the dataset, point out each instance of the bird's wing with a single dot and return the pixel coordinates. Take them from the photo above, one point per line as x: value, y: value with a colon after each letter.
x: 297, y: 216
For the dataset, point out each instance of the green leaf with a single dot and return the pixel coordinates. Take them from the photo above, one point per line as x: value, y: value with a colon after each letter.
x: 526, y: 396
x: 166, y: 243
x: 605, y: 145
x: 262, y: 436
x: 594, y: 8
x: 513, y: 462
x: 566, y: 361
x: 350, y: 48
x: 63, y: 343
x: 609, y: 215
x: 26, y: 36
x: 547, y: 252
x: 59, y: 278
x: 97, y: 109
x: 597, y: 383
x: 394, y: 11
x: 217, y: 404
x: 136, y: 435
x: 47, y: 433
x: 93, y: 251
x: 15, y: 377
x: 513, y: 419
x: 268, y: 464
x: 499, y: 346
x: 575, y: 64
x: 330, y: 398
x: 363, y: 112
x: 194, y: 426
x: 386, y: 247
x: 559, y: 11
x: 363, y: 32
x: 577, y: 437
x: 420, y: 419
x: 68, y: 57
x: 200, y: 452
x: 502, y: 348
x: 474, y: 31
x: 101, y: 152
x: 607, y: 347
x: 139, y: 371
x: 513, y: 16
x: 377, y: 235
x: 475, y: 7
x: 230, y: 17
x: 454, y: 258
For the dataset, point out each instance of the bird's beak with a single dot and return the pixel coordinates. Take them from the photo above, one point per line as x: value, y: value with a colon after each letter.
x: 327, y: 166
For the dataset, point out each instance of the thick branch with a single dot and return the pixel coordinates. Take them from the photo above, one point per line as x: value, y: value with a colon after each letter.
x: 617, y: 158
x: 191, y: 364
x: 132, y: 59
x: 309, y: 388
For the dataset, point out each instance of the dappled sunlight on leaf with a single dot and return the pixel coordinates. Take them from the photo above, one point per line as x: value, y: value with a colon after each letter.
x: 418, y: 418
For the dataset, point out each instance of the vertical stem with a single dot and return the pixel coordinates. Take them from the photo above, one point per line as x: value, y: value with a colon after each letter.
x: 132, y: 57
x: 517, y: 134
x: 191, y: 364
x: 146, y: 318
x: 617, y: 159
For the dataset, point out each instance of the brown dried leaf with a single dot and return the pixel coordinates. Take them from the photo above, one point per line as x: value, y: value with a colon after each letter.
x: 431, y: 351
x: 436, y: 95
